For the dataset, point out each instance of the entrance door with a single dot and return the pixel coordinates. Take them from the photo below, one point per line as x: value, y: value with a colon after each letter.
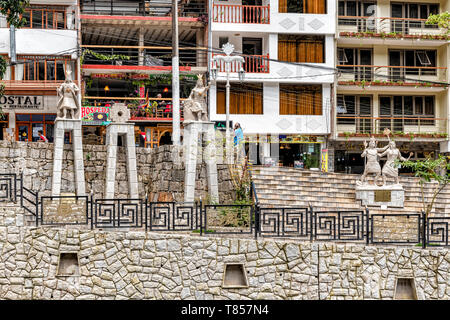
x: 395, y: 59
x: 23, y: 132
x: 252, y: 47
x: 398, y: 25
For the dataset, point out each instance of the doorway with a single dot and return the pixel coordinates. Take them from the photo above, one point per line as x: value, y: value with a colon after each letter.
x: 29, y: 125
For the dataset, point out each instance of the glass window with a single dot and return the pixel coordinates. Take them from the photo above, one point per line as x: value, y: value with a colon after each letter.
x: 37, y: 117
x: 429, y: 105
x: 385, y: 106
x: 22, y: 117
x: 50, y: 117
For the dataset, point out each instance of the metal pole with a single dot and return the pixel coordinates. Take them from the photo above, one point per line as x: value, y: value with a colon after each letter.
x: 227, y: 123
x: 175, y: 77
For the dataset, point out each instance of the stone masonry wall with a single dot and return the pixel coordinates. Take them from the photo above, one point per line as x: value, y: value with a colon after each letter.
x: 154, y: 166
x: 140, y: 265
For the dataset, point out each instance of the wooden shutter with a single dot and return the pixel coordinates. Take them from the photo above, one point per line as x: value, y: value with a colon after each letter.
x: 244, y: 99
x: 315, y: 6
x: 300, y: 99
x: 282, y: 6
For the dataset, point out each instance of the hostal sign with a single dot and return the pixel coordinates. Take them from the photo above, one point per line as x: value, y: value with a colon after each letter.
x: 22, y: 102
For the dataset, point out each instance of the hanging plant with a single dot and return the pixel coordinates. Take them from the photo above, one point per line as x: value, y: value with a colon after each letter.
x: 103, y: 57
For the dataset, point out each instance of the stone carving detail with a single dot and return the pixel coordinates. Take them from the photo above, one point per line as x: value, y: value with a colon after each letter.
x: 390, y: 169
x: 195, y: 107
x: 119, y: 113
x: 372, y: 154
x: 287, y: 23
x: 68, y: 104
x: 316, y: 24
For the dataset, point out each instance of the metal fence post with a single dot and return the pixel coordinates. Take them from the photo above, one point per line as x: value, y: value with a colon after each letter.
x: 37, y: 208
x: 367, y: 225
x: 257, y: 220
x: 201, y: 218
x: 21, y: 189
x: 92, y: 210
x: 311, y: 212
x: 424, y: 230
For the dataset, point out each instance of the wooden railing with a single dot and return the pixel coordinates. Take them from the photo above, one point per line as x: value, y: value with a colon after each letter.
x: 230, y: 13
x: 252, y: 64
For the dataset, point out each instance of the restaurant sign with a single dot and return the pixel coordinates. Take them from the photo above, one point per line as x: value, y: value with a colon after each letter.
x: 95, y: 116
x: 22, y: 102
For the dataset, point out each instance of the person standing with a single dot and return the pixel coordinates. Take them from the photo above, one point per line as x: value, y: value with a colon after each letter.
x: 42, y: 137
x: 239, y: 142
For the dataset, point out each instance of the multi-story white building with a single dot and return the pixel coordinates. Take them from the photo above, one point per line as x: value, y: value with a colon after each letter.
x: 289, y: 53
x: 45, y: 47
x: 393, y: 75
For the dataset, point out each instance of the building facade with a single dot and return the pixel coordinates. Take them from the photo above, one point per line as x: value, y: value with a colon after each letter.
x: 37, y: 56
x: 289, y: 56
x: 393, y: 74
x: 127, y: 58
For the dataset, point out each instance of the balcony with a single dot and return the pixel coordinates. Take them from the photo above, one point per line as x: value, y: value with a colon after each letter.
x: 30, y: 85
x: 252, y: 64
x: 230, y: 13
x: 143, y: 59
x: 391, y: 75
x: 157, y: 110
x: 407, y: 127
x: 388, y: 28
x: 187, y: 8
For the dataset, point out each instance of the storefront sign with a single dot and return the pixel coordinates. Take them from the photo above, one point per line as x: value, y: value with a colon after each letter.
x: 324, y: 160
x: 22, y: 102
x: 95, y: 116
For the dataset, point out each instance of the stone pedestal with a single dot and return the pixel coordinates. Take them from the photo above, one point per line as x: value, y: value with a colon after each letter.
x: 194, y: 133
x: 74, y: 126
x: 113, y: 130
x: 372, y: 195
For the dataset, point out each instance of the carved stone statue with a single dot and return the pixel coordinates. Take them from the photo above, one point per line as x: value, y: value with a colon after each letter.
x: 195, y: 107
x: 390, y: 170
x: 68, y: 105
x: 371, y: 153
x: 119, y: 113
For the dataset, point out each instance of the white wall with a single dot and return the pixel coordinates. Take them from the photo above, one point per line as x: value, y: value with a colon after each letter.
x: 40, y: 41
x: 271, y: 121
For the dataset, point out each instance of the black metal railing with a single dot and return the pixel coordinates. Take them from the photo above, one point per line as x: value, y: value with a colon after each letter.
x: 303, y: 223
x: 194, y: 8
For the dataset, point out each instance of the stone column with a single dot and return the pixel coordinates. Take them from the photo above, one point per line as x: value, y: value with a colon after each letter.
x: 73, y: 126
x: 193, y: 130
x: 210, y: 160
x: 113, y: 130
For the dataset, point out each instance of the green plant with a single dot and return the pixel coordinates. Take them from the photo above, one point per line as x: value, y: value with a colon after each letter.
x: 13, y: 10
x: 88, y: 156
x: 103, y: 57
x: 428, y: 170
x: 442, y: 20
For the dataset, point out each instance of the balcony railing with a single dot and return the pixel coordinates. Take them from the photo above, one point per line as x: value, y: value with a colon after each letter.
x: 387, y: 26
x: 32, y: 84
x: 252, y: 64
x: 193, y: 8
x: 398, y: 74
x: 47, y: 18
x: 158, y: 109
x: 230, y: 13
x: 151, y: 56
x: 406, y: 126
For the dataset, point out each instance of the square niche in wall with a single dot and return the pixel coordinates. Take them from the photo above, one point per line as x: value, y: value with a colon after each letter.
x: 68, y: 264
x: 234, y: 276
x: 405, y: 289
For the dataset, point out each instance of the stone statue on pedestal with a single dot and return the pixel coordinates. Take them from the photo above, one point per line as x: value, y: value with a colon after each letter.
x: 195, y: 107
x: 371, y: 153
x: 68, y: 104
x: 390, y: 170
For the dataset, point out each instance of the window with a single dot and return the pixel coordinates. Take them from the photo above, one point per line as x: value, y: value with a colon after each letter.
x: 300, y: 99
x: 293, y: 48
x: 244, y: 98
x: 43, y: 68
x: 406, y: 110
x: 356, y: 59
x: 302, y: 6
x: 222, y: 41
x: 412, y: 58
x: 47, y: 18
x: 412, y: 11
x: 353, y: 110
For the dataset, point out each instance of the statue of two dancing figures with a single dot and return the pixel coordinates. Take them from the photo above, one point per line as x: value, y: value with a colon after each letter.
x: 373, y: 154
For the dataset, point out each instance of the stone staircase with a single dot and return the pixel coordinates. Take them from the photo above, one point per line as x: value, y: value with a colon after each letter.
x: 289, y: 187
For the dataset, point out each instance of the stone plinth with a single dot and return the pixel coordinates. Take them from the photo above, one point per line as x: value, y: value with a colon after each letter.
x: 73, y: 126
x: 113, y: 130
x: 193, y: 130
x: 367, y: 195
